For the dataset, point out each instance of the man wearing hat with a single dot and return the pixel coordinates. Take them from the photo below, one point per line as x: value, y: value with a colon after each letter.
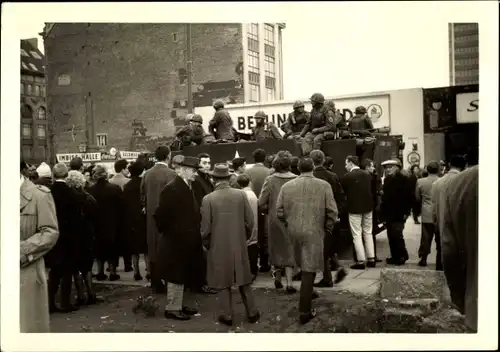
x: 180, y: 261
x: 264, y: 130
x: 44, y: 175
x: 227, y: 223
x: 193, y: 133
x: 320, y: 125
x: 296, y: 121
x: 360, y: 122
x: 397, y: 199
x: 221, y: 125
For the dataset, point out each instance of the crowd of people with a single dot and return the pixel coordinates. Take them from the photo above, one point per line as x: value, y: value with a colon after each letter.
x: 207, y: 229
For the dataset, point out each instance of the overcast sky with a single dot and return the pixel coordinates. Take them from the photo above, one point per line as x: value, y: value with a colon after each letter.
x: 359, y: 48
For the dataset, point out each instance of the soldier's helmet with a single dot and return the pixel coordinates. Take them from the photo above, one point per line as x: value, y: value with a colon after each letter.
x: 260, y: 115
x: 317, y: 98
x: 298, y: 104
x: 330, y: 104
x: 196, y: 118
x: 360, y: 110
x: 218, y: 104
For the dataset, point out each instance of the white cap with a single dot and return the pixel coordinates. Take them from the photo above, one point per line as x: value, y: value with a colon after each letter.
x: 391, y: 162
x: 44, y: 170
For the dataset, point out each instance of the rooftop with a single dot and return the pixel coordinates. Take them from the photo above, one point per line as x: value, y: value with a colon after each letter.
x: 32, y: 60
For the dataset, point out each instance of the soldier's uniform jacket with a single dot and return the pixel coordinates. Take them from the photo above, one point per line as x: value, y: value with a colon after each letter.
x: 195, y: 133
x: 295, y: 122
x: 360, y: 122
x: 221, y: 125
x: 322, y: 119
x: 268, y: 131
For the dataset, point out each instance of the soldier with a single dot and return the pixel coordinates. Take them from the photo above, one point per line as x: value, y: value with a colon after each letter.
x: 360, y: 122
x: 339, y: 120
x: 296, y: 121
x: 221, y: 125
x: 319, y: 127
x: 192, y: 134
x: 264, y: 130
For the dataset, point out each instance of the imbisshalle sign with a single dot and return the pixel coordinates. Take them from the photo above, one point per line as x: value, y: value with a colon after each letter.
x: 86, y: 157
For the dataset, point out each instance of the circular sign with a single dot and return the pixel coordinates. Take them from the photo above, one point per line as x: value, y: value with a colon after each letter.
x: 414, y: 158
x: 374, y: 111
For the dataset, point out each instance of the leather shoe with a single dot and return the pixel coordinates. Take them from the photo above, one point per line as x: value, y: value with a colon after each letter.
x: 323, y: 283
x: 225, y: 320
x: 341, y: 274
x: 189, y: 311
x: 177, y: 315
x: 306, y: 318
x: 254, y: 318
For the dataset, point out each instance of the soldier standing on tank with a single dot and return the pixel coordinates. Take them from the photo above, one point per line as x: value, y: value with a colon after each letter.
x: 339, y: 120
x: 221, y: 125
x: 264, y: 130
x: 296, y: 121
x: 321, y: 121
x: 193, y: 133
x: 360, y: 122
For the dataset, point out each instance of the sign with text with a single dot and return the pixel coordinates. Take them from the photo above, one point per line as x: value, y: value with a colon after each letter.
x: 468, y: 107
x: 86, y: 157
x: 277, y: 112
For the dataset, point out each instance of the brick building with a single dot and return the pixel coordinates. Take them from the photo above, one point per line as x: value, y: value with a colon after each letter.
x: 34, y: 129
x: 124, y: 85
x: 463, y: 40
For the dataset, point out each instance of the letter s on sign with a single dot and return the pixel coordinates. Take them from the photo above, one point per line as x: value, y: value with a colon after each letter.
x: 473, y: 105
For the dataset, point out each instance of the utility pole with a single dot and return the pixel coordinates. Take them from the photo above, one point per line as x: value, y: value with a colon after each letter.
x: 189, y: 69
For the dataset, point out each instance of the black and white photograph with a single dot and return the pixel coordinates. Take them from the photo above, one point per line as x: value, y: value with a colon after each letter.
x: 306, y: 170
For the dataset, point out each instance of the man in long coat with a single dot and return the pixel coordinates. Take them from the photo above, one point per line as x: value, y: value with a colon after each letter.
x: 38, y: 234
x: 307, y: 208
x: 153, y: 182
x: 459, y: 239
x: 227, y: 223
x: 180, y: 261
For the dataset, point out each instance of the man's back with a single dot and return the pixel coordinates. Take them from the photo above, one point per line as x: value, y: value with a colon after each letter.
x: 258, y: 174
x: 254, y: 204
x: 153, y: 183
x: 119, y: 180
x: 424, y: 193
x: 358, y: 191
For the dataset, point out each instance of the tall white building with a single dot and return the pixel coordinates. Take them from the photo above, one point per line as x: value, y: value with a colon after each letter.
x: 263, y: 61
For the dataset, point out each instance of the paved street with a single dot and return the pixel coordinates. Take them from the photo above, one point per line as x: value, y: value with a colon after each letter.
x: 357, y: 281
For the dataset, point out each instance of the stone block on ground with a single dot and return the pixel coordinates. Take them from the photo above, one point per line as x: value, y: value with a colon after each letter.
x: 413, y: 284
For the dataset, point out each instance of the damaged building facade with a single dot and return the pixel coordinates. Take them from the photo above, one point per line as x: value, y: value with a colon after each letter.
x: 124, y: 85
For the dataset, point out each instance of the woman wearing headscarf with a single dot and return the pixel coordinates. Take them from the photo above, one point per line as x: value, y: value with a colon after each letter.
x: 280, y: 248
x: 86, y: 236
x: 135, y: 240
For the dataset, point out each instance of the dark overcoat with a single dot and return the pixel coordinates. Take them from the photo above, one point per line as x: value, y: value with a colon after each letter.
x: 180, y: 250
x: 227, y: 224
x: 135, y: 236
x: 110, y: 221
x: 87, y: 230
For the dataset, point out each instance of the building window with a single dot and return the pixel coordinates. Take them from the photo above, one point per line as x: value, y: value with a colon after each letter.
x: 26, y: 130
x: 41, y: 132
x: 270, y: 66
x: 254, y: 93
x: 28, y: 89
x: 37, y: 91
x: 33, y: 67
x: 253, y: 31
x: 253, y: 61
x: 27, y: 152
x: 270, y: 82
x: 24, y: 66
x: 102, y: 139
x: 35, y: 55
x: 269, y: 34
x: 42, y: 90
x: 24, y: 53
x: 41, y: 152
x: 254, y: 78
x: 271, y: 94
x: 22, y: 88
x: 26, y: 112
x: 41, y: 114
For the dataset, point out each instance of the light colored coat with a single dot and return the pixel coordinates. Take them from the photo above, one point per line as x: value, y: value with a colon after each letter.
x: 423, y: 194
x: 38, y: 234
x: 459, y: 241
x: 153, y: 182
x: 119, y: 180
x: 307, y: 208
x: 227, y: 222
x: 280, y: 246
x: 254, y: 204
x: 437, y: 194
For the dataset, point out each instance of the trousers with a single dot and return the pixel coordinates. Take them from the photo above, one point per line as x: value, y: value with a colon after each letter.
x: 306, y: 292
x: 253, y: 256
x: 396, y: 240
x: 226, y: 301
x: 175, y: 297
x: 429, y: 231
x: 263, y: 240
x: 311, y: 142
x: 361, y: 230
